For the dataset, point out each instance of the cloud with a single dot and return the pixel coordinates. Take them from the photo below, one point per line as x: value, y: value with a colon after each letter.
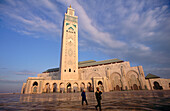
x: 32, y: 17
x: 11, y: 81
x: 26, y: 72
x: 3, y: 68
x: 129, y: 30
x: 137, y: 31
x: 162, y: 72
x: 87, y: 28
x: 142, y: 47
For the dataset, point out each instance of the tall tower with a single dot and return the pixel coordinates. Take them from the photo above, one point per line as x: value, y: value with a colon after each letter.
x: 69, y: 48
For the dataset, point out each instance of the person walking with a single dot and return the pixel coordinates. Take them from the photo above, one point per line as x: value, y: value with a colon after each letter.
x: 83, y: 94
x: 98, y: 98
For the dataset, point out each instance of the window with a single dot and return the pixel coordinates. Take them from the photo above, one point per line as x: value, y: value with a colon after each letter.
x: 74, y: 71
x: 100, y: 82
x: 35, y: 84
x: 65, y: 70
x: 69, y: 70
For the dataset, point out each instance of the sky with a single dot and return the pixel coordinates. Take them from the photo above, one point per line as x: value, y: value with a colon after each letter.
x: 137, y: 31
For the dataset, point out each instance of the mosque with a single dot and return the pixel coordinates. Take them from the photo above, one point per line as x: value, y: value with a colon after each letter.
x: 73, y: 76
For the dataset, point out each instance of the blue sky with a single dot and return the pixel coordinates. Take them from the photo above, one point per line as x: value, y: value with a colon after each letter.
x: 131, y: 30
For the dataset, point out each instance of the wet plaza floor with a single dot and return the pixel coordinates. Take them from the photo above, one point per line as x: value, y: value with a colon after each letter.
x: 111, y: 101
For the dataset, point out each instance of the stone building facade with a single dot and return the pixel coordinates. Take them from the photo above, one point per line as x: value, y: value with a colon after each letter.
x: 158, y: 84
x: 154, y: 82
x: 73, y: 76
x: 108, y: 75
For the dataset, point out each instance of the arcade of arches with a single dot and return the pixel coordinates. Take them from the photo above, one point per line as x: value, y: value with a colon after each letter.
x: 67, y: 88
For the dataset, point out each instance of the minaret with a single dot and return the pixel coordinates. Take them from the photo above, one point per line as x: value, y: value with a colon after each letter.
x: 69, y: 48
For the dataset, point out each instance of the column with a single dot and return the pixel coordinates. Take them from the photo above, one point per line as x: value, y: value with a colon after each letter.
x: 71, y: 87
x: 58, y: 87
x: 51, y: 88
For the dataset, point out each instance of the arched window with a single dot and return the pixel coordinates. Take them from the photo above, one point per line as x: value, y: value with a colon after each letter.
x: 100, y: 83
x: 62, y: 89
x: 135, y: 87
x: 35, y: 87
x: 68, y: 88
x: 82, y: 86
x: 75, y: 87
x: 35, y: 84
x: 117, y: 88
x: 157, y: 86
x: 89, y: 87
x: 47, y: 88
x: 54, y: 87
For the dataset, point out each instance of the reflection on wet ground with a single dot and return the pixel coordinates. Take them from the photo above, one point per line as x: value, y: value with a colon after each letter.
x: 111, y: 101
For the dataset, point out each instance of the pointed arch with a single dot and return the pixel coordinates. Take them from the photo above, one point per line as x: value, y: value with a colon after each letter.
x: 157, y: 86
x: 89, y: 87
x: 62, y: 88
x: 75, y: 87
x: 47, y: 88
x: 115, y: 74
x: 35, y: 83
x: 131, y: 72
x: 82, y: 86
x: 54, y: 87
x: 133, y: 80
x: 116, y: 81
x: 35, y: 87
x: 68, y: 87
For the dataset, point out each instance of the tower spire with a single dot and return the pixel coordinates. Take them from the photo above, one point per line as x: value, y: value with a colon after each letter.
x: 69, y: 47
x: 70, y: 5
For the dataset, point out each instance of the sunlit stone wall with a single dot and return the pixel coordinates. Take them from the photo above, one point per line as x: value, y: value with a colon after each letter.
x: 119, y: 76
x: 158, y: 84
